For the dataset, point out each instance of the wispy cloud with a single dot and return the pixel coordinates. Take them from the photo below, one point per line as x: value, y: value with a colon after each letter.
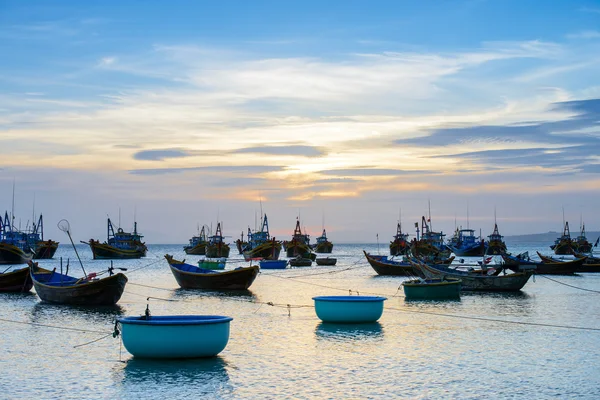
x: 589, y: 34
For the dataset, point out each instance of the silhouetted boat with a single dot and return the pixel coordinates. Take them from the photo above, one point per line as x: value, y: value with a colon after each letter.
x: 547, y: 265
x: 261, y: 245
x: 192, y: 277
x: 14, y: 247
x: 216, y: 246
x: 477, y: 280
x: 18, y: 280
x: 563, y: 245
x: 581, y: 244
x: 299, y: 245
x: 197, y: 245
x: 43, y: 249
x: 241, y: 244
x: 326, y: 261
x: 119, y: 245
x: 496, y: 245
x: 400, y: 245
x: 430, y: 243
x: 54, y: 287
x: 323, y: 245
x: 385, y: 266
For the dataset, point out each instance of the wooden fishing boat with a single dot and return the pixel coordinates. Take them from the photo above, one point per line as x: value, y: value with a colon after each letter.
x: 197, y: 245
x: 119, y: 245
x: 477, y: 281
x: 216, y: 246
x: 241, y: 244
x: 16, y: 281
x: 326, y: 261
x: 14, y: 248
x: 564, y: 244
x: 432, y: 289
x: 54, y: 287
x: 430, y: 243
x: 299, y: 246
x: 552, y: 266
x: 261, y: 245
x: 42, y: 249
x: 581, y: 244
x: 385, y: 266
x: 323, y: 245
x: 496, y: 245
x: 400, y: 245
x: 591, y: 263
x: 300, y: 262
x: 192, y: 277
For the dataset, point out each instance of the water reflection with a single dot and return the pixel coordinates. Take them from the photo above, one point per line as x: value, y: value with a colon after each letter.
x: 187, y: 294
x: 347, y: 332
x: 203, y: 373
x: 431, y: 301
x: 48, y: 313
x: 17, y: 297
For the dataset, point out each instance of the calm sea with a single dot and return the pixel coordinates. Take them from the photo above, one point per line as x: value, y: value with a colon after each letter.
x: 425, y: 350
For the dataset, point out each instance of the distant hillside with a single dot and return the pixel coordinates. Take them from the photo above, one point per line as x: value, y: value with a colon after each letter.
x: 548, y: 237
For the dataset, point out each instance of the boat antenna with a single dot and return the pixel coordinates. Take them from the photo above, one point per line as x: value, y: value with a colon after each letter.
x: 64, y: 226
x: 563, y: 210
x: 33, y: 216
x: 495, y: 215
x: 430, y: 224
x: 377, y: 235
x: 467, y: 214
x: 119, y: 217
x: 12, y: 216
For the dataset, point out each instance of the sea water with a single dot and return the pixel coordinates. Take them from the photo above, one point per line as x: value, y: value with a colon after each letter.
x: 485, y: 345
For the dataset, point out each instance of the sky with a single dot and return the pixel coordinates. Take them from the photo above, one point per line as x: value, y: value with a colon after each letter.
x: 351, y: 115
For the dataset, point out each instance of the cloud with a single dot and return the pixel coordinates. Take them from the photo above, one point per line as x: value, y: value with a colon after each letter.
x: 371, y: 172
x: 160, y: 155
x: 589, y: 34
x: 293, y: 150
x: 246, y: 169
x: 107, y: 61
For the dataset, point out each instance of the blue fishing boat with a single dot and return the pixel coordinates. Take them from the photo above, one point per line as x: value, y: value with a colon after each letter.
x: 349, y: 309
x: 432, y: 289
x: 175, y: 336
x: 119, y: 244
x: 273, y: 264
x: 14, y: 246
x: 467, y: 244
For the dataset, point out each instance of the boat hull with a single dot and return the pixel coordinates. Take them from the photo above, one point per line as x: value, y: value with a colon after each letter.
x: 104, y: 251
x: 549, y: 266
x: 10, y: 254
x: 326, y: 261
x: 103, y: 292
x: 237, y: 279
x: 432, y: 289
x: 474, y: 251
x: 273, y: 264
x: 300, y: 262
x: 477, y: 282
x: 298, y: 250
x: 198, y: 250
x: 45, y: 250
x: 185, y: 336
x: 16, y: 281
x: 324, y: 248
x: 349, y: 309
x: 220, y: 250
x: 562, y: 249
x: 266, y: 251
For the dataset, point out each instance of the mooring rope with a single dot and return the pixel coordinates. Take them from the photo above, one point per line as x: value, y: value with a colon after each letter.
x: 572, y: 286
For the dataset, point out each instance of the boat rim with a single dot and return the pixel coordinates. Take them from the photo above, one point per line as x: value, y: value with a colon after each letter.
x: 175, y: 320
x: 349, y: 298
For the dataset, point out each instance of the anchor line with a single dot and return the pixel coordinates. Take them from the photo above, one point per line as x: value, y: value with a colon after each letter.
x: 572, y: 286
x: 51, y: 326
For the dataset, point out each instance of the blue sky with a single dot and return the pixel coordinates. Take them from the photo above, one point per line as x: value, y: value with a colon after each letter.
x: 189, y: 111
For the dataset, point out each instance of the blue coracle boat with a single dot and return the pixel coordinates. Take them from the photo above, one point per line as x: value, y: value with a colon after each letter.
x: 349, y: 309
x: 175, y: 336
x: 273, y: 264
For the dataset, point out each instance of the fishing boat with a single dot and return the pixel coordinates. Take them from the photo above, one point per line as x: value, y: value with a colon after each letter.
x: 564, y: 244
x: 496, y: 245
x: 494, y: 280
x: 273, y: 264
x: 18, y: 280
x: 591, y: 263
x: 241, y: 244
x: 581, y: 244
x: 216, y: 246
x: 522, y: 262
x: 14, y: 247
x: 552, y: 266
x: 175, y: 336
x: 54, y: 287
x: 432, y: 289
x: 300, y: 262
x: 119, y: 245
x: 326, y: 261
x: 191, y: 277
x: 197, y: 245
x: 42, y: 249
x: 430, y: 243
x: 261, y: 244
x: 467, y: 244
x: 386, y: 266
x: 299, y: 245
x: 400, y: 245
x: 323, y: 245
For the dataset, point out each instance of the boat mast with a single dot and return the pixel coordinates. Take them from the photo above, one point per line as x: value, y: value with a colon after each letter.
x: 12, y: 217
